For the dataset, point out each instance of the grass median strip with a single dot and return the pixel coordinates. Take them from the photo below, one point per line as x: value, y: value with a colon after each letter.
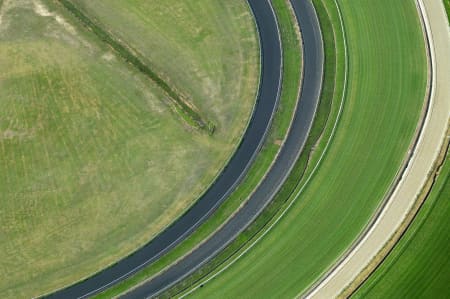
x: 281, y: 123
x: 326, y: 115
x: 181, y: 105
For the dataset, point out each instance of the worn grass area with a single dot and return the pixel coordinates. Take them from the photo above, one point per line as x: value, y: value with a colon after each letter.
x: 290, y: 89
x: 198, y: 47
x: 89, y: 150
x: 386, y: 89
x: 419, y: 265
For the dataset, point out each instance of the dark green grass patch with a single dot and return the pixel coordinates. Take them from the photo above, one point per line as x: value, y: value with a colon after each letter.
x: 329, y: 100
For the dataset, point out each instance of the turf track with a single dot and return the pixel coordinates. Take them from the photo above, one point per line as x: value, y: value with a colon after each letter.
x: 371, y: 140
x: 418, y: 165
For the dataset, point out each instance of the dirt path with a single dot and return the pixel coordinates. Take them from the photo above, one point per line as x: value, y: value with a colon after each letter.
x: 419, y: 166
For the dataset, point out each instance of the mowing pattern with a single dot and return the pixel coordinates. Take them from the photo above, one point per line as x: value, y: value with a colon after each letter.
x: 89, y: 151
x: 387, y: 80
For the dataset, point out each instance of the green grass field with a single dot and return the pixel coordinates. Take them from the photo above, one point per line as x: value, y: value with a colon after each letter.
x: 419, y: 265
x: 282, y: 119
x: 447, y: 8
x: 386, y: 90
x: 89, y: 148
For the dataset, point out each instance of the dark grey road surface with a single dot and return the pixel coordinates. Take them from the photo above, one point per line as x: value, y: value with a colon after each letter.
x: 309, y: 98
x: 230, y: 177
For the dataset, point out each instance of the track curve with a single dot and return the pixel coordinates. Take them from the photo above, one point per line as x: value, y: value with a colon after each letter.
x: 308, y: 101
x: 418, y: 165
x: 231, y: 176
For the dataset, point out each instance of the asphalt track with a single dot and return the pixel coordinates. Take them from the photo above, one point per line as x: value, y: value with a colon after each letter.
x: 308, y: 101
x: 231, y: 176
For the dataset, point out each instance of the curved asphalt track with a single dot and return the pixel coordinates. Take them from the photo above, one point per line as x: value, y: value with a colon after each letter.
x: 231, y: 176
x: 254, y: 136
x: 308, y: 101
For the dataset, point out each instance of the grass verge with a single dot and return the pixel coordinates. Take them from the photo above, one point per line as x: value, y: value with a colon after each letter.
x: 277, y: 133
